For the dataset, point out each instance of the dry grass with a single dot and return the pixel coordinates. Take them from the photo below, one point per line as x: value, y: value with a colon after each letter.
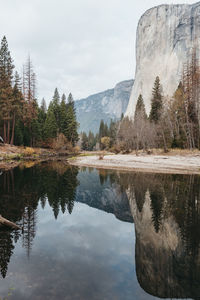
x: 28, y: 151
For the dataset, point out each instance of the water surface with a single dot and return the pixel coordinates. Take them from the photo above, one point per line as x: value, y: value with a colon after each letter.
x: 97, y: 234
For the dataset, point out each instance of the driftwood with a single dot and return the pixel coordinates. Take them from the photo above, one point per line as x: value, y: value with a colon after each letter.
x: 6, y: 222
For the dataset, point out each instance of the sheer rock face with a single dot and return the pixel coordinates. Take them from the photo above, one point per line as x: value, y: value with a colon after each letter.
x: 166, y: 36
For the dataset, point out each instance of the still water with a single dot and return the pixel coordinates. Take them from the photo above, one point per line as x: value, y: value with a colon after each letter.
x: 97, y: 234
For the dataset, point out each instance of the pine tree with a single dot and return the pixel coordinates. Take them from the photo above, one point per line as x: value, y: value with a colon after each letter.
x: 56, y: 106
x: 112, y: 132
x: 63, y: 116
x: 63, y: 98
x: 178, y: 117
x: 6, y: 92
x: 84, y: 143
x: 106, y: 130
x: 29, y: 93
x: 71, y: 131
x: 43, y: 106
x: 50, y: 126
x: 140, y: 108
x: 42, y: 114
x: 17, y: 104
x: 101, y: 129
x: 156, y: 102
x: 91, y: 141
x: 36, y: 132
x: 19, y: 133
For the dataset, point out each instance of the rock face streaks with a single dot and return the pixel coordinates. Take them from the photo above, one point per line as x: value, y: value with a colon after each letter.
x: 166, y: 35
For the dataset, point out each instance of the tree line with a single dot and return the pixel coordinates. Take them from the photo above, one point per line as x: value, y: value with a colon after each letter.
x: 173, y: 122
x: 22, y: 120
x: 106, y: 137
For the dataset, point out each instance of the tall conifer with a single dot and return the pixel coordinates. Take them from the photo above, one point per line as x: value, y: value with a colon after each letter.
x: 72, y: 125
x: 156, y: 101
x: 6, y: 92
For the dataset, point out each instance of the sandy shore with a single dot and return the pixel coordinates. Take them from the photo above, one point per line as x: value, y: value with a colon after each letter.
x: 188, y: 164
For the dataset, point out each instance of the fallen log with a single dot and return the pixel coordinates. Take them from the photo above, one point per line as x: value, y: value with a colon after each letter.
x: 8, y: 223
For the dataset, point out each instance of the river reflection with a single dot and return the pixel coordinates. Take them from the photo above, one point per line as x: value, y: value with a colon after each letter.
x: 77, y: 238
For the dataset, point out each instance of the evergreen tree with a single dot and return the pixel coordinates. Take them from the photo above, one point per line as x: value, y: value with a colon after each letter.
x: 56, y: 106
x: 91, y: 141
x: 63, y: 98
x: 63, y: 116
x: 43, y: 106
x: 42, y: 114
x: 112, y: 132
x: 101, y: 129
x: 178, y: 117
x: 71, y: 102
x: 50, y: 126
x: 17, y: 104
x: 36, y: 132
x: 6, y: 92
x: 156, y: 102
x: 19, y: 133
x: 106, y: 130
x: 30, y: 107
x: 84, y: 143
x: 72, y: 125
x: 140, y: 108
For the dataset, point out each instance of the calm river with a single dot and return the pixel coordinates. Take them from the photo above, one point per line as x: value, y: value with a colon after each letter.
x: 94, y: 234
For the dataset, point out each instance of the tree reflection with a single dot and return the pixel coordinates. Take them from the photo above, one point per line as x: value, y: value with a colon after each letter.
x: 166, y: 212
x: 22, y: 189
x: 157, y: 199
x: 6, y: 250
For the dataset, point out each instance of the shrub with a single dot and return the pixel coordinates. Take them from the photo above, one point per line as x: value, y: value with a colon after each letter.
x: 60, y: 142
x: 28, y: 151
x: 76, y: 149
x: 105, y: 142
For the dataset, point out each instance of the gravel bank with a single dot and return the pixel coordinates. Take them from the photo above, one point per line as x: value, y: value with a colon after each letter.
x: 188, y: 164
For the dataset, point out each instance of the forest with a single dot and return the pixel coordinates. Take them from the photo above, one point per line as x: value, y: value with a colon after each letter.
x: 22, y: 120
x: 173, y: 122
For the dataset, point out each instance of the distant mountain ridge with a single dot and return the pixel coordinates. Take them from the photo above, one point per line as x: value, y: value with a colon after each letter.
x: 106, y: 105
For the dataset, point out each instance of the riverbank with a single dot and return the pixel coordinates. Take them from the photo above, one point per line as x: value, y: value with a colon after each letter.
x: 170, y: 164
x: 13, y: 156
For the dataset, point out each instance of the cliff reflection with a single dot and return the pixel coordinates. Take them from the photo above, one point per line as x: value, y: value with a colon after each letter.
x: 166, y: 213
x: 22, y: 190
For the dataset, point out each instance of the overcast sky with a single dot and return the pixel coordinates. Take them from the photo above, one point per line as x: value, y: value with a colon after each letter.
x: 78, y: 46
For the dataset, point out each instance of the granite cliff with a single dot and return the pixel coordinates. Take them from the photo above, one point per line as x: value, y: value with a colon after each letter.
x: 166, y: 35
